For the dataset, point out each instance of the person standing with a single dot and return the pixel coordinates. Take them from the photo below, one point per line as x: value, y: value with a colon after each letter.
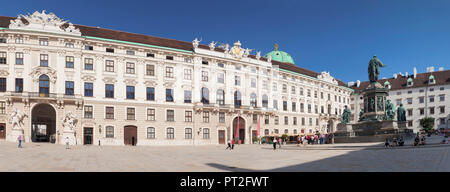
x: 232, y: 144
x: 67, y: 142
x: 274, y: 143
x: 279, y: 142
x: 229, y: 145
x: 386, y: 143
x: 19, y: 138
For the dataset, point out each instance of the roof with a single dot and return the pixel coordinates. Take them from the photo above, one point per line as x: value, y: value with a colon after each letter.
x: 421, y: 80
x: 280, y: 56
x: 164, y: 42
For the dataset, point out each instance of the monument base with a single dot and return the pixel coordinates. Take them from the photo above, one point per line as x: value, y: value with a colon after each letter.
x: 71, y: 136
x: 367, y: 131
x: 15, y: 134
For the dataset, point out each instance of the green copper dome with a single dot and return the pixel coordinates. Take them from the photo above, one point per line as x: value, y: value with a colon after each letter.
x: 280, y: 56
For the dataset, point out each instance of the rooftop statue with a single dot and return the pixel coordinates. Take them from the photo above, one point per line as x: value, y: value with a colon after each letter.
x: 195, y: 43
x: 374, y: 69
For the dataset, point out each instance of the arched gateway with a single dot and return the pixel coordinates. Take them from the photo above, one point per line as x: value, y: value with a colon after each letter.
x: 43, y: 123
x: 241, y: 129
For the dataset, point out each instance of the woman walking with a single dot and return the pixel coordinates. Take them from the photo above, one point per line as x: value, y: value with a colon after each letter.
x: 274, y: 143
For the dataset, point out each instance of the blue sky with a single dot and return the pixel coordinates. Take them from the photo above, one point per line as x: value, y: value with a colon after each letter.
x: 339, y: 36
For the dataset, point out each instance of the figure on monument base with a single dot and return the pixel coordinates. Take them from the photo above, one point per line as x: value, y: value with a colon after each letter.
x: 16, y: 120
x: 69, y: 123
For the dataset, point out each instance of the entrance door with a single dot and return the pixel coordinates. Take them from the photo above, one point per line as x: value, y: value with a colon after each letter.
x: 130, y: 135
x: 88, y: 135
x: 241, y: 129
x: 2, y: 131
x: 221, y: 136
x: 43, y: 123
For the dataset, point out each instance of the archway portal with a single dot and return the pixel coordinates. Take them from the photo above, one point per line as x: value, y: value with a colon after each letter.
x: 43, y: 123
x: 241, y: 129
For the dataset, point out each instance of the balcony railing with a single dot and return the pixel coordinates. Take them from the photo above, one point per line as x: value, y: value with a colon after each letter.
x: 42, y: 95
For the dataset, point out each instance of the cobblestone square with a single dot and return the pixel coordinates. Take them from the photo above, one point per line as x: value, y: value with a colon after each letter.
x: 319, y: 158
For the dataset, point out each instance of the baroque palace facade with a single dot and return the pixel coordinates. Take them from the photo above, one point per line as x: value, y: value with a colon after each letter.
x: 95, y: 85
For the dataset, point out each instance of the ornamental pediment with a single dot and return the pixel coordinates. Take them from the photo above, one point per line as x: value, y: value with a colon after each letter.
x: 325, y: 76
x: 130, y: 82
x: 88, y: 78
x: 111, y: 80
x: 4, y: 72
x: 150, y: 83
x: 38, y: 71
x: 44, y: 22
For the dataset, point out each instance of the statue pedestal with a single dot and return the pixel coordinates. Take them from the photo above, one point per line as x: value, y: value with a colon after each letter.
x: 343, y: 127
x: 69, y: 134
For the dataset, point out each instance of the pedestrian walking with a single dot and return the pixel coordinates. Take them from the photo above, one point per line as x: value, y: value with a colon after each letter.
x: 279, y: 142
x: 19, y: 138
x: 416, y: 140
x: 67, y: 142
x: 386, y: 143
x: 274, y: 143
x: 423, y: 140
x: 232, y: 144
x: 229, y: 144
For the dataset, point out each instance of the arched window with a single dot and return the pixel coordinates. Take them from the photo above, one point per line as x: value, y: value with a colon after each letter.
x: 44, y: 86
x: 220, y: 97
x: 205, y: 95
x: 188, y: 133
x: 265, y: 101
x: 170, y: 133
x: 253, y: 100
x: 237, y: 99
x: 150, y: 133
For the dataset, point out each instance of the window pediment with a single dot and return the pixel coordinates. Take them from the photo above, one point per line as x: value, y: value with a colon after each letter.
x: 39, y: 70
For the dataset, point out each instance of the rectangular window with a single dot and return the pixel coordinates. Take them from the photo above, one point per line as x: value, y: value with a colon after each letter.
x: 43, y: 42
x: 221, y: 117
x: 69, y: 88
x: 409, y: 100
x: 109, y: 66
x: 302, y: 107
x: 187, y: 74
x: 253, y: 83
x: 421, y: 99
x: 130, y: 52
x: 88, y: 64
x: 293, y: 90
x: 88, y: 89
x: 150, y: 133
x: 442, y: 109
x: 109, y: 131
x: 266, y: 120
x: 150, y: 70
x: 294, y: 106
x: 431, y: 98
x: 2, y: 107
x: 294, y: 120
x: 89, y: 47
x: 275, y: 104
x: 170, y: 133
x: 205, y: 62
x: 237, y: 80
x: 431, y: 110
x: 169, y: 57
x: 19, y: 85
x: 284, y: 105
x: 277, y: 119
x: 410, y: 112
x: 441, y: 97
x: 205, y: 116
x: 2, y: 57
x: 220, y: 78
x: 187, y: 96
x: 150, y: 93
x: 303, y: 121
x: 422, y: 111
x: 151, y: 55
x: 205, y: 76
x: 19, y: 58
x: 2, y: 84
x: 169, y: 95
x: 221, y: 65
x: 70, y: 45
x: 130, y: 68
x: 169, y: 72
x: 188, y: 116
x: 170, y: 115
x: 109, y: 90
x: 410, y: 123
x: 109, y: 112
x: 284, y: 88
x: 286, y: 120
x: 130, y: 92
x: 110, y: 50
x: 19, y: 40
x: 88, y: 112
x: 205, y: 133
x: 44, y: 60
x: 309, y: 108
x: 69, y: 62
x: 130, y: 113
x: 255, y: 118
x: 188, y: 133
x: 150, y: 114
x: 274, y: 86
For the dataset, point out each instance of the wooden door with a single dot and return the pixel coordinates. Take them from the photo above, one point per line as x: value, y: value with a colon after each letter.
x: 221, y: 136
x: 2, y: 131
x: 130, y: 135
x: 88, y: 135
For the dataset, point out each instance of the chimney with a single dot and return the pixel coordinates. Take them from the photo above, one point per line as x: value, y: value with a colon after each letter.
x: 351, y: 83
x: 441, y: 69
x: 415, y: 72
x: 358, y: 83
x: 395, y: 75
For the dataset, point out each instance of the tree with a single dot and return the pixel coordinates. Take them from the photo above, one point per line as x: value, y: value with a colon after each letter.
x: 427, y: 124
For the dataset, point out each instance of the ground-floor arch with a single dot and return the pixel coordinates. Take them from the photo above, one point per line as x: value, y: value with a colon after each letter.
x: 240, y: 131
x: 43, y: 123
x: 130, y: 135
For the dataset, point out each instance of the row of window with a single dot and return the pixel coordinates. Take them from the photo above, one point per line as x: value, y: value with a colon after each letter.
x: 170, y: 133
